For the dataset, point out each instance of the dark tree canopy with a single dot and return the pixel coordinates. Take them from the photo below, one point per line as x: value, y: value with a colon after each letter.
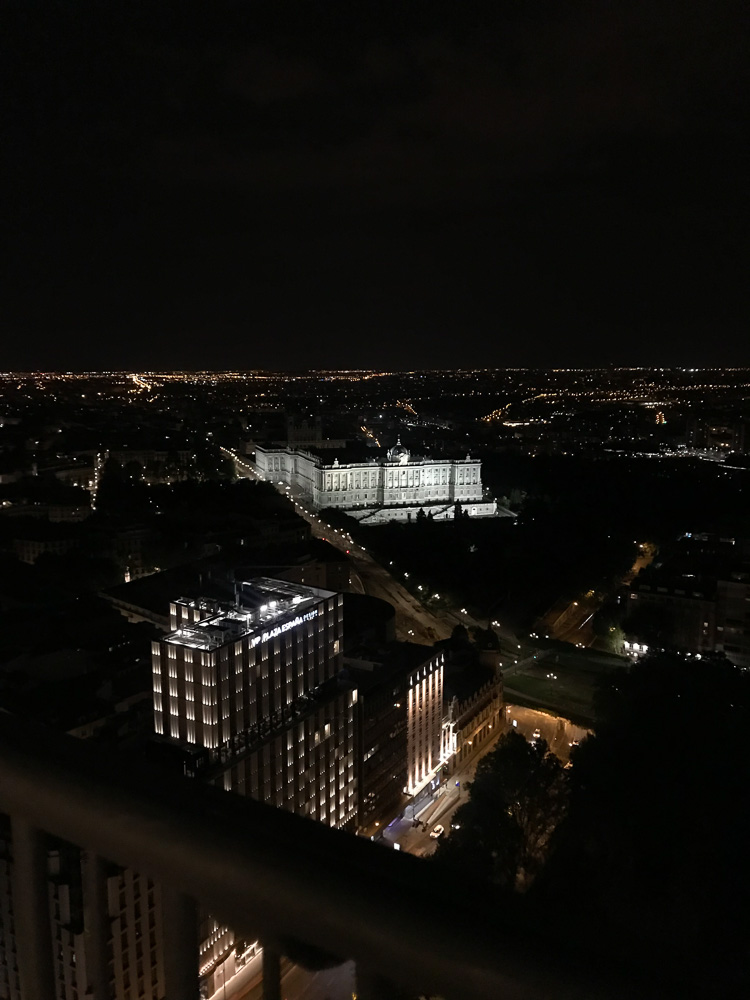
x: 459, y: 636
x: 515, y: 802
x: 655, y: 844
x: 486, y: 638
x: 652, y: 625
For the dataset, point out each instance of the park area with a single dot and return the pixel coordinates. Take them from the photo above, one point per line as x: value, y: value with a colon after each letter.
x: 561, y: 678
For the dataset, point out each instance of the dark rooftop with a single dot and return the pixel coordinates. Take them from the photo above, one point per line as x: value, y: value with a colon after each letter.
x: 351, y: 454
x: 209, y: 577
x: 693, y: 565
x: 462, y: 681
x: 215, y: 576
x: 391, y: 659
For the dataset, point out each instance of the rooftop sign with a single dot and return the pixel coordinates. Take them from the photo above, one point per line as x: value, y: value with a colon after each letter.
x: 285, y: 626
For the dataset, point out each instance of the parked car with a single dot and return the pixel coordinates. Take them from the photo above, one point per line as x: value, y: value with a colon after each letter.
x: 437, y: 831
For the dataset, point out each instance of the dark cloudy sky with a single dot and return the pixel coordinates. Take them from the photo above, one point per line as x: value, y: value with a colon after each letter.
x: 292, y: 184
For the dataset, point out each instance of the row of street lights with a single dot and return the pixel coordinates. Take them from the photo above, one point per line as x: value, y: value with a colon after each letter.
x: 345, y: 535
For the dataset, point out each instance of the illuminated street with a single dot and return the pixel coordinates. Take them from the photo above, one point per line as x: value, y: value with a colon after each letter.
x: 559, y: 734
x: 296, y: 983
x: 413, y: 621
x: 416, y: 623
x: 571, y: 621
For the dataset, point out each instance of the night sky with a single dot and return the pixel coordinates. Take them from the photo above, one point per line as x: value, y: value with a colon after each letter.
x: 384, y: 185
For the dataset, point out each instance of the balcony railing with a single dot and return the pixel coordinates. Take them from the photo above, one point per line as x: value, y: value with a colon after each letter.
x: 317, y: 895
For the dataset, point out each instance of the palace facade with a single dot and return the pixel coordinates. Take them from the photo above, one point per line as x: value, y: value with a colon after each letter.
x: 381, y: 489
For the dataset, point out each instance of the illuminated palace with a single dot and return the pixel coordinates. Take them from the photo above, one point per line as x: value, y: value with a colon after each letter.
x: 394, y: 488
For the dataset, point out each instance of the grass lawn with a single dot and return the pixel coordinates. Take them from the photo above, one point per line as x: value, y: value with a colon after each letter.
x: 562, y: 681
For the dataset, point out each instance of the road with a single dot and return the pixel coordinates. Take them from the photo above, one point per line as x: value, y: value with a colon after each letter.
x: 417, y: 840
x: 559, y: 734
x: 646, y: 554
x: 414, y: 622
x: 571, y: 621
x: 297, y: 983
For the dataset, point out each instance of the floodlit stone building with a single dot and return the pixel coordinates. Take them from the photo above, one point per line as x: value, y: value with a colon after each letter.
x: 380, y: 489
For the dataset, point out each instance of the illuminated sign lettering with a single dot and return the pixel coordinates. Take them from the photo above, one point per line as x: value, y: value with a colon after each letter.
x: 285, y: 626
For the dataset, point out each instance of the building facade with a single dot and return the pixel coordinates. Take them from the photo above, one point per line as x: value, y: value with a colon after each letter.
x: 135, y: 939
x: 733, y: 619
x: 718, y: 436
x: 686, y: 613
x: 256, y: 686
x: 380, y: 489
x: 227, y: 667
x: 473, y: 722
x: 400, y: 717
x: 252, y: 692
x: 424, y: 707
x: 698, y: 601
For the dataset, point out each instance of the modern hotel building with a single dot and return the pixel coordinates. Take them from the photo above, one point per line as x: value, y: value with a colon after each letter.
x: 251, y: 693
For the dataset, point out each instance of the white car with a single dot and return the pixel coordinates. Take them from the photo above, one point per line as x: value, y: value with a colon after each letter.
x: 437, y: 831
x: 536, y: 735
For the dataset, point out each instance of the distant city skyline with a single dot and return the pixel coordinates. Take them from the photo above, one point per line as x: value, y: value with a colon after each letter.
x: 235, y: 374
x: 374, y: 474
